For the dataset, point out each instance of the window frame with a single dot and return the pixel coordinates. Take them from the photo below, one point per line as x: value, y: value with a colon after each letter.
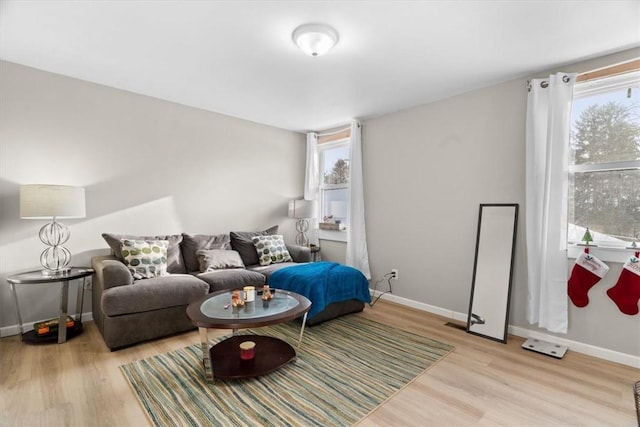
x: 586, y: 87
x: 335, y: 235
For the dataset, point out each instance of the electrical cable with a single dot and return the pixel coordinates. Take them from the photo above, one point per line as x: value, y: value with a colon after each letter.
x: 387, y: 276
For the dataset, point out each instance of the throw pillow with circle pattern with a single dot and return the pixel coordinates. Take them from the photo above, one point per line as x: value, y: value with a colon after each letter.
x: 145, y: 258
x: 271, y: 249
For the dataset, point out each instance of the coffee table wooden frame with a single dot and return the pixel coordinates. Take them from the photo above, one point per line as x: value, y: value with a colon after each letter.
x: 275, y: 352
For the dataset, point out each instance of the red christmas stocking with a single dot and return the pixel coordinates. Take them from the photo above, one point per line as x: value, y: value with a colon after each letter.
x: 626, y: 292
x: 587, y: 271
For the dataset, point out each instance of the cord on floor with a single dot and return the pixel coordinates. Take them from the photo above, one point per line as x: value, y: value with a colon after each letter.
x: 387, y: 276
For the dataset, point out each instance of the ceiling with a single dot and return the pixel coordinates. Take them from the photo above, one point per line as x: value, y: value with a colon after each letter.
x: 237, y: 57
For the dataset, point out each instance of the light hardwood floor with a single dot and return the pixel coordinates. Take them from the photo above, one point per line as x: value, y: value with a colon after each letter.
x: 481, y: 383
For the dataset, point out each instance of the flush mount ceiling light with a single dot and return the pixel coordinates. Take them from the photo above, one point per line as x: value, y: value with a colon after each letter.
x: 315, y: 39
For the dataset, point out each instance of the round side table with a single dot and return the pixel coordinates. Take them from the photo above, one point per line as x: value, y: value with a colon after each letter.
x: 36, y: 277
x: 315, y: 253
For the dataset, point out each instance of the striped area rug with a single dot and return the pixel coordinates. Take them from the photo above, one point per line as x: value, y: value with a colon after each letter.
x: 344, y: 369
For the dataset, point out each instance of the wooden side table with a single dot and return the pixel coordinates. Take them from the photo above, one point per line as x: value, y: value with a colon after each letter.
x: 36, y: 277
x: 315, y: 253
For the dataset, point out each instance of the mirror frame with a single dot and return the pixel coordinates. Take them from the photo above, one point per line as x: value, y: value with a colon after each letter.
x: 473, y: 318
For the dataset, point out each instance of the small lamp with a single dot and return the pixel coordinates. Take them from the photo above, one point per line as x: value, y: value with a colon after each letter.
x: 38, y: 201
x: 302, y: 210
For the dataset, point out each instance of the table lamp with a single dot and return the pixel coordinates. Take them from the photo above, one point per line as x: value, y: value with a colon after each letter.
x: 39, y: 201
x: 302, y: 210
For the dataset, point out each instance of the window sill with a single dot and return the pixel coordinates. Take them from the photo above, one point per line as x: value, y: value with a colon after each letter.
x: 336, y: 236
x: 603, y: 253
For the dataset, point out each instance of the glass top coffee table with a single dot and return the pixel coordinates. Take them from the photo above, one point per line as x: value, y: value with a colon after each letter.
x: 223, y: 359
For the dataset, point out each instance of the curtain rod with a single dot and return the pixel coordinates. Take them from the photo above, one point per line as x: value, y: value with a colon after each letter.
x: 617, y: 69
x: 622, y: 68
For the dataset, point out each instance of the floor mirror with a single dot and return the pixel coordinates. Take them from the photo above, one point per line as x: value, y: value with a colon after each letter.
x: 493, y: 271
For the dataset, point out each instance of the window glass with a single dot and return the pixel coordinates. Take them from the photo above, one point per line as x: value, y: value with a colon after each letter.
x: 604, y: 178
x: 605, y: 127
x: 334, y: 188
x: 334, y: 206
x: 336, y: 165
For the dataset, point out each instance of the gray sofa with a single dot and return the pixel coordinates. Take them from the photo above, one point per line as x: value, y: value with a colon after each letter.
x: 128, y: 310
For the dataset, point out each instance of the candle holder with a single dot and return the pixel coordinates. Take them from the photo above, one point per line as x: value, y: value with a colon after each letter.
x: 236, y: 299
x: 266, y: 293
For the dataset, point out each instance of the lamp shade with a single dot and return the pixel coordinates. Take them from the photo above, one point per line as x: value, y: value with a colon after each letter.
x: 39, y: 201
x: 315, y: 39
x: 302, y: 209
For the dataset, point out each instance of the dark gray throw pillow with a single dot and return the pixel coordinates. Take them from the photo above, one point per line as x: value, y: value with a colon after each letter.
x: 242, y: 242
x: 218, y: 259
x: 175, y: 262
x: 192, y: 243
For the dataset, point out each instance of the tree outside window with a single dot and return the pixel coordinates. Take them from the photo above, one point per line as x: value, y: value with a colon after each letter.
x: 339, y: 173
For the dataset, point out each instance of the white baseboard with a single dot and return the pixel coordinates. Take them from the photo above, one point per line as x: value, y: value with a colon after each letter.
x: 8, y: 331
x: 577, y: 346
x: 591, y: 350
x: 424, y: 307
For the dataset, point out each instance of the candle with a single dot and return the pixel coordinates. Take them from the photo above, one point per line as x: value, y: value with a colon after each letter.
x: 247, y: 350
x: 249, y: 293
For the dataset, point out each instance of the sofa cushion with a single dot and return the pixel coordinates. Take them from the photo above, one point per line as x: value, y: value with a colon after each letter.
x: 145, y: 259
x: 153, y: 294
x: 175, y: 262
x: 271, y: 249
x: 235, y: 278
x: 192, y: 243
x: 217, y: 259
x: 241, y: 242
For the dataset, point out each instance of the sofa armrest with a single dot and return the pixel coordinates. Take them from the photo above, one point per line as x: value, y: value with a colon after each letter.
x: 299, y: 253
x: 110, y: 272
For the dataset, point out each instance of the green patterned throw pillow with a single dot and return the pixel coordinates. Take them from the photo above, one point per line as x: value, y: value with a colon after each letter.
x: 271, y: 249
x: 145, y: 258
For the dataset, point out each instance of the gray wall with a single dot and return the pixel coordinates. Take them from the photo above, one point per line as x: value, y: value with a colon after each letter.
x: 149, y: 166
x: 426, y: 171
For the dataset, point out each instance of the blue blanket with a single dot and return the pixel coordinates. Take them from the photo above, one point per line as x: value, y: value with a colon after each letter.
x: 323, y: 283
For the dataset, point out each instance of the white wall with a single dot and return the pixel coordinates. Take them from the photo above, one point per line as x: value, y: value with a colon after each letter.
x: 333, y: 251
x: 426, y: 171
x: 149, y: 166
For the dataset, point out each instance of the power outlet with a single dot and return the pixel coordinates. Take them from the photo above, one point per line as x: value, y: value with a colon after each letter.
x: 394, y: 274
x: 88, y: 285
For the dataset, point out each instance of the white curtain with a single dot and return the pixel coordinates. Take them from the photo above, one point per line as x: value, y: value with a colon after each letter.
x: 312, y: 183
x: 547, y: 144
x: 357, y: 254
x: 312, y: 177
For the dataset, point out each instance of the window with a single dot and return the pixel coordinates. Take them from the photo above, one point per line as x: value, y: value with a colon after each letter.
x: 604, y: 161
x: 334, y: 185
